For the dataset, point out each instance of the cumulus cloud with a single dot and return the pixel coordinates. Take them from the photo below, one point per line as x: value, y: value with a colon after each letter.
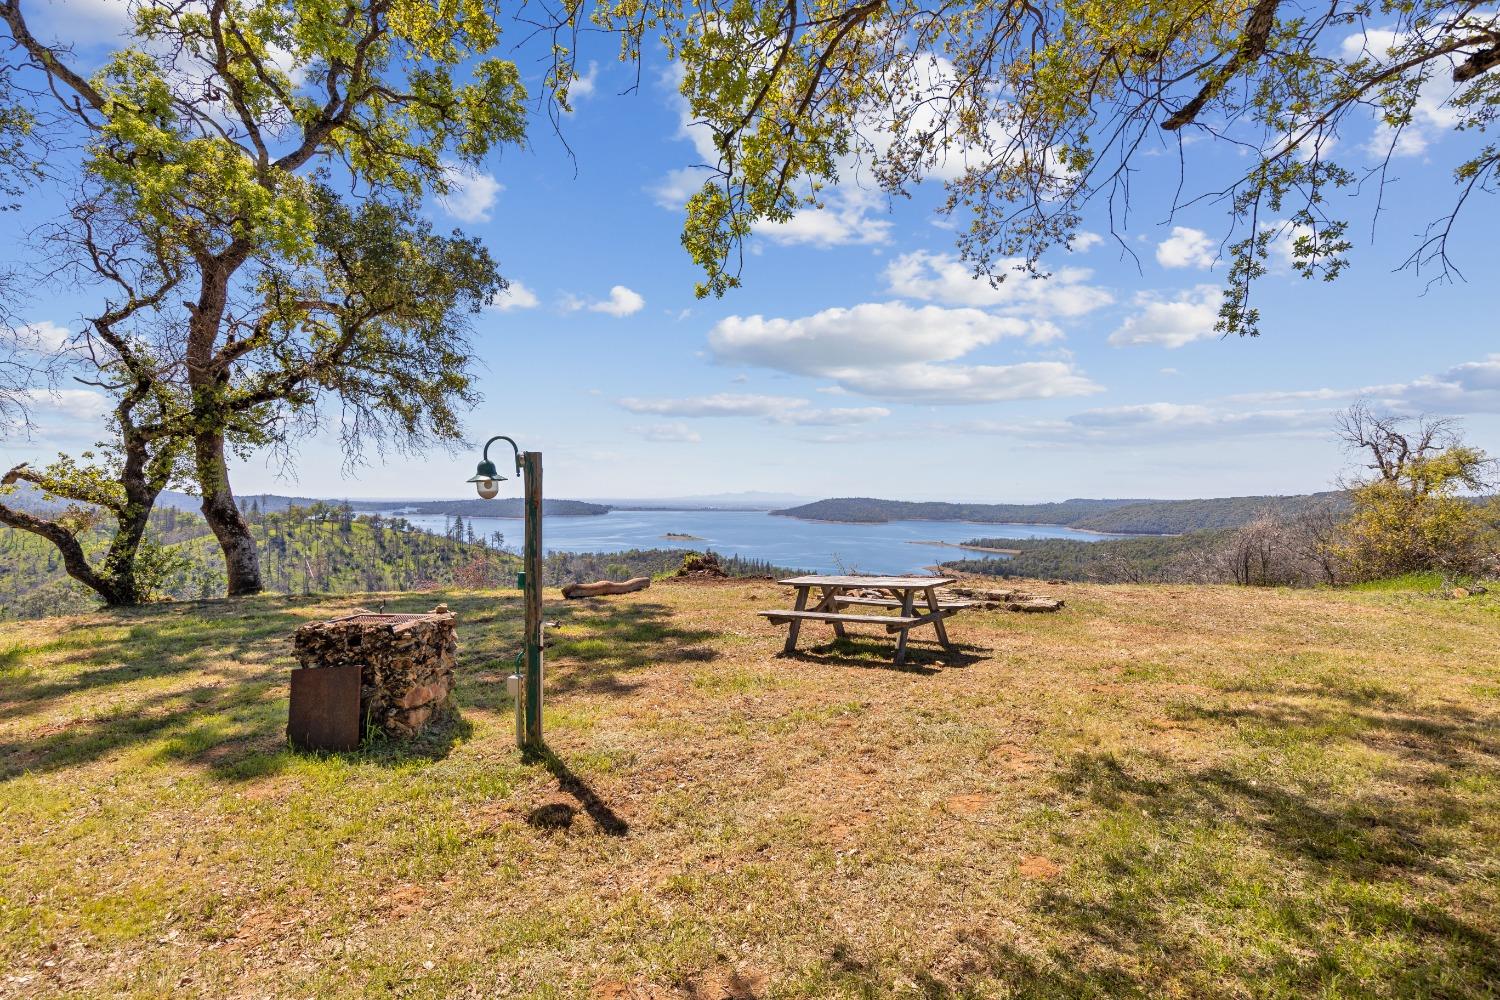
x: 1431, y: 115
x: 894, y: 351
x: 1171, y: 322
x: 69, y: 404
x: 586, y: 84
x: 847, y: 218
x: 471, y: 194
x: 1083, y: 241
x: 622, y: 301
x: 45, y: 337
x: 1186, y: 247
x: 678, y: 186
x: 869, y: 335
x: 516, y: 296
x: 937, y: 277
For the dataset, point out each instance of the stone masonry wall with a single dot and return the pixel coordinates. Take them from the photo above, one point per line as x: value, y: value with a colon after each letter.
x: 406, y: 663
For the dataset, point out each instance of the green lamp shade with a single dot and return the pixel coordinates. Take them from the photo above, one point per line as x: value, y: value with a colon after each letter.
x: 485, y: 472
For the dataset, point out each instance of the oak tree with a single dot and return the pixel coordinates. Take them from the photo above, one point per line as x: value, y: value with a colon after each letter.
x: 271, y: 156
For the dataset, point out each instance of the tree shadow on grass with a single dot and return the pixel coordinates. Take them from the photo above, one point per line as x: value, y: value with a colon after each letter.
x: 216, y: 677
x: 591, y: 646
x: 559, y: 815
x: 1360, y: 885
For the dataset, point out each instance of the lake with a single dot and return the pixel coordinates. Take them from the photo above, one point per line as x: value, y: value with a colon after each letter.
x: 816, y: 546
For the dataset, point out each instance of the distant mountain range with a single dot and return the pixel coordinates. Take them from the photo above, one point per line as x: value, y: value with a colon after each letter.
x: 1124, y: 517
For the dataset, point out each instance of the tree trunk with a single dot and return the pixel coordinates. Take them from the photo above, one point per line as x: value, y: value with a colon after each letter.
x: 208, y: 380
x: 241, y: 561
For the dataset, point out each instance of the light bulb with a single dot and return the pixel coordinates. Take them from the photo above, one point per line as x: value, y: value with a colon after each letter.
x: 488, y: 489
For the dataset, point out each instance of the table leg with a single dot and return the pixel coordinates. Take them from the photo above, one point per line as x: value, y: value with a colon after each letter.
x: 830, y: 603
x: 796, y: 625
x: 942, y: 630
x: 908, y: 599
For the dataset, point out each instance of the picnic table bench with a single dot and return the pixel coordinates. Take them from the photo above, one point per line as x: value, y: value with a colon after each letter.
x: 834, y: 596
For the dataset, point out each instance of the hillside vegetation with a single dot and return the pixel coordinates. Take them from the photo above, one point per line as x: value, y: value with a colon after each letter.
x: 1158, y: 792
x: 320, y: 549
x: 1113, y: 560
x: 1156, y: 517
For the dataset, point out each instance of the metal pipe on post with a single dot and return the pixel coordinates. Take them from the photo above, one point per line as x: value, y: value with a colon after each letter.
x: 528, y: 680
x: 531, y: 474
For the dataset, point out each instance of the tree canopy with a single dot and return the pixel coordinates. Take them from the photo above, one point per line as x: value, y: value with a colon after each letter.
x: 247, y: 207
x: 1029, y: 112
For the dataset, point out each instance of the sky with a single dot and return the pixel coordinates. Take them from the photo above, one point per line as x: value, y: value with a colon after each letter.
x: 861, y: 359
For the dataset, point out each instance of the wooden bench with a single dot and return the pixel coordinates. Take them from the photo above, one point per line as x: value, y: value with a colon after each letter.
x: 890, y: 602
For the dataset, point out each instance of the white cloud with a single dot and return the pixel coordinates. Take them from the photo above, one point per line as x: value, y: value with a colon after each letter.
x: 960, y: 384
x: 516, y: 296
x: 722, y: 404
x: 895, y: 351
x: 70, y: 404
x: 45, y: 337
x: 870, y: 335
x: 835, y: 417
x: 586, y: 84
x: 622, y: 301
x: 1470, y: 387
x: 678, y: 186
x: 1431, y: 115
x: 1186, y: 247
x: 678, y: 433
x: 846, y: 219
x: 1188, y: 316
x: 944, y: 278
x: 1155, y: 422
x: 471, y: 194
x: 786, y: 410
x: 1083, y: 241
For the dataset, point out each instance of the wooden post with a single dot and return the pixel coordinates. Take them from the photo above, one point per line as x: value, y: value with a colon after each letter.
x: 531, y: 472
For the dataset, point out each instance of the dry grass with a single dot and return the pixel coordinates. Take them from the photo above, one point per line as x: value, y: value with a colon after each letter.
x: 1162, y: 791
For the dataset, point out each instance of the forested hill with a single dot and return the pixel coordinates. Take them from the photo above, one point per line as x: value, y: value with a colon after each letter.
x: 27, y: 497
x: 1126, y: 517
x: 866, y: 510
x: 1177, y: 517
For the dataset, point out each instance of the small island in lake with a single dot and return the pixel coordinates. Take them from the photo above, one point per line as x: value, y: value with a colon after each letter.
x: 678, y: 536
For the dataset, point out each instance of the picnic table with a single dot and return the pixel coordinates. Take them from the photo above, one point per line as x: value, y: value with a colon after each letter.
x: 898, y: 593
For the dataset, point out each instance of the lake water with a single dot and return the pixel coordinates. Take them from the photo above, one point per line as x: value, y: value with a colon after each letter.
x: 816, y: 546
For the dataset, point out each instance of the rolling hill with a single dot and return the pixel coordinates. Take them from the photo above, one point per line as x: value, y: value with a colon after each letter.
x: 1124, y: 517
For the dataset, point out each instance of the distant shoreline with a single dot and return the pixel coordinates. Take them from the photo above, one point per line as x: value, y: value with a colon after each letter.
x: 982, y: 524
x: 965, y: 545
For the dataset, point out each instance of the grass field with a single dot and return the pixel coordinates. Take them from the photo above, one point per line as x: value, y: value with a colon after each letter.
x: 1161, y: 791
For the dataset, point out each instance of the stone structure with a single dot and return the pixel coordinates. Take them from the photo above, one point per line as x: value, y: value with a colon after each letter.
x: 406, y: 663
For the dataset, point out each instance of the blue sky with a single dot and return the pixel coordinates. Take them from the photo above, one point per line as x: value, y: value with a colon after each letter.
x: 860, y: 359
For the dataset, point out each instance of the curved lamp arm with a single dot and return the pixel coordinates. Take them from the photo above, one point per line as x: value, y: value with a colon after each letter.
x: 513, y: 447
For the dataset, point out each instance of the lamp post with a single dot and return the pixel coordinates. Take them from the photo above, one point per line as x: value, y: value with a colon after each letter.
x: 486, y: 482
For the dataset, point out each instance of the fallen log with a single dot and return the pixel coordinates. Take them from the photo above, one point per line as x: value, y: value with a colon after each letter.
x: 603, y: 588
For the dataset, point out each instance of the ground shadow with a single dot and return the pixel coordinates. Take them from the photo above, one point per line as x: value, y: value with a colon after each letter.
x: 922, y: 657
x: 557, y: 815
x: 216, y: 673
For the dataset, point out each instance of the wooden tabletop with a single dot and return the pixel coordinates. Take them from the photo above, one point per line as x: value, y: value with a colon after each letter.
x: 898, y: 582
